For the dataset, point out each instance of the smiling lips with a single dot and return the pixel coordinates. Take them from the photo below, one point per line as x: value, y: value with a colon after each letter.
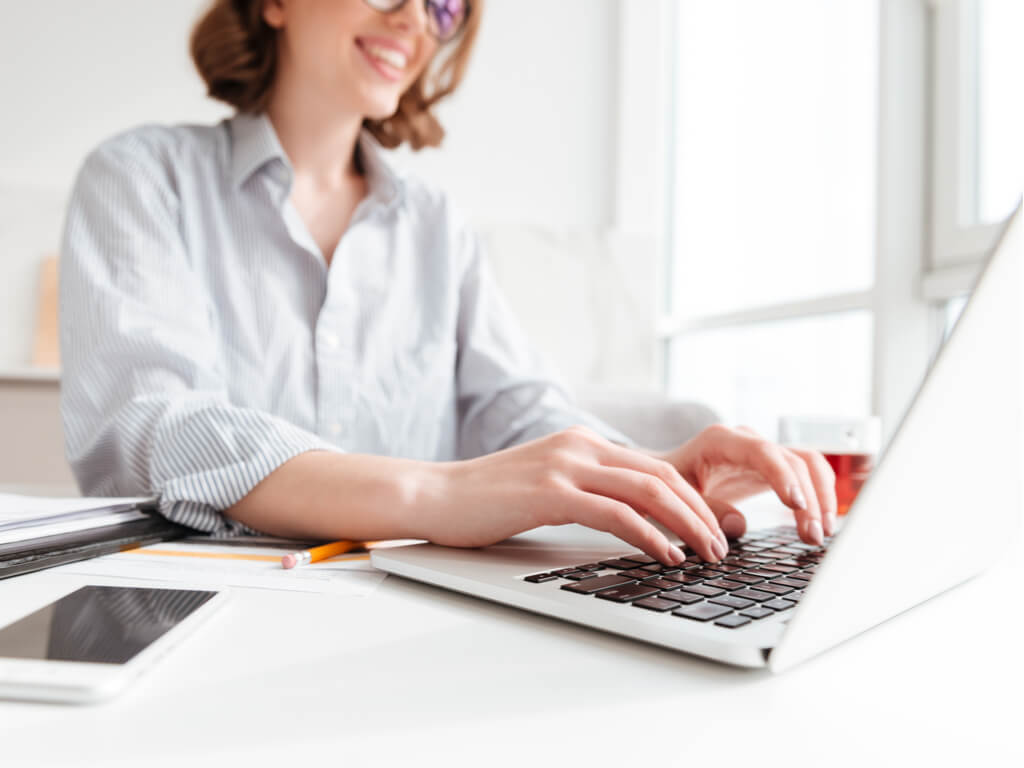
x: 388, y: 61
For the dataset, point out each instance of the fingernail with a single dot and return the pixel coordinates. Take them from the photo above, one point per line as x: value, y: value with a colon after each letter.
x: 814, y: 532
x: 675, y: 554
x: 733, y: 525
x: 830, y: 525
x: 797, y: 497
x: 718, y: 549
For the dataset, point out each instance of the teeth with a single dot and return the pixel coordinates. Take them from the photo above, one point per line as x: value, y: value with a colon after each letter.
x: 388, y: 55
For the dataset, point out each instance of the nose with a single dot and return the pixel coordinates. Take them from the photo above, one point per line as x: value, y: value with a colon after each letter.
x: 411, y: 17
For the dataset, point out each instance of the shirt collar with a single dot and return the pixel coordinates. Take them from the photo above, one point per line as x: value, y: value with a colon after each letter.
x: 255, y: 145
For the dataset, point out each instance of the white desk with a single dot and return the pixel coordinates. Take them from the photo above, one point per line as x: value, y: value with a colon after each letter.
x: 415, y: 675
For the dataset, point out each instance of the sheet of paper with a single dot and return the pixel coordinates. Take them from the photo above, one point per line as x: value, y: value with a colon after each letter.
x: 200, y: 564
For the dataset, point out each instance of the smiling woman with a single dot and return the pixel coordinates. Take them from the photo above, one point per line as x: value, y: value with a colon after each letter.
x: 272, y: 329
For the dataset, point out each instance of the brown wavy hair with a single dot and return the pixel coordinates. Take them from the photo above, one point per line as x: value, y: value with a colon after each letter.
x: 235, y: 51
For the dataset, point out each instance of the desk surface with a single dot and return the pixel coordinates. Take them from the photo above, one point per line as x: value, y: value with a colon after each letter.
x: 416, y: 675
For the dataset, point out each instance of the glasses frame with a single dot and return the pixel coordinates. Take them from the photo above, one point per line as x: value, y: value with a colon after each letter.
x: 399, y: 4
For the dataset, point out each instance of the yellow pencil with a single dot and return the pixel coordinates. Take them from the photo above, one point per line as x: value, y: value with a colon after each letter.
x: 316, y: 554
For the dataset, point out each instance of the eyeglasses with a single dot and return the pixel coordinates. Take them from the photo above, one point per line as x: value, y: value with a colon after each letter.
x: 445, y: 18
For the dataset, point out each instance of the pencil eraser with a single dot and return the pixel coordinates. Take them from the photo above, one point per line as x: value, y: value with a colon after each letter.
x: 288, y: 561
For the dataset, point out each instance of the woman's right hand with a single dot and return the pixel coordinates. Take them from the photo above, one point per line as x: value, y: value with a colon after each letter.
x: 573, y: 476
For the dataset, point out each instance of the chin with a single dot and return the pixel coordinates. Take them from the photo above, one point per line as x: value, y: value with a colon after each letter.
x: 381, y: 108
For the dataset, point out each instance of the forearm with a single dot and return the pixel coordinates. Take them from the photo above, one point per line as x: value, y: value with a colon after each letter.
x: 325, y: 495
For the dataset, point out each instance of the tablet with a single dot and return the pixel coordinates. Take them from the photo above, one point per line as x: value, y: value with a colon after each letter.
x: 89, y: 644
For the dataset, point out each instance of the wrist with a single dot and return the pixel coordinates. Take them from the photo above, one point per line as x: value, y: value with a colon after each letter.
x: 427, y: 497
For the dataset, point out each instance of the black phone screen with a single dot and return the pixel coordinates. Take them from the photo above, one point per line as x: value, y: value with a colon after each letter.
x: 107, y: 625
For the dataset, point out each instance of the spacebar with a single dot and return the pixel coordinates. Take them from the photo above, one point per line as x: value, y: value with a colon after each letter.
x: 590, y: 586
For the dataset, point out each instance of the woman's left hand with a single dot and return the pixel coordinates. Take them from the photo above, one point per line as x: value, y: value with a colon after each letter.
x: 726, y: 465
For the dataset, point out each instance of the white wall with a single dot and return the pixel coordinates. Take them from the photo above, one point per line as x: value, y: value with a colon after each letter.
x: 531, y: 134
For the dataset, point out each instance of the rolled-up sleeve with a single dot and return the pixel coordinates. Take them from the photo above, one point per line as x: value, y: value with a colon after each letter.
x: 507, y: 393
x: 143, y: 397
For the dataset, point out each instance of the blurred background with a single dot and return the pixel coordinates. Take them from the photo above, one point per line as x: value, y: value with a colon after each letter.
x: 773, y: 207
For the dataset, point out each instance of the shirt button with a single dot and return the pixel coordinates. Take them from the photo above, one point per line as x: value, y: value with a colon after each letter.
x: 330, y: 339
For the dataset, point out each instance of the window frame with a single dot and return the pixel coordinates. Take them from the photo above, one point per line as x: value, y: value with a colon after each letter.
x: 957, y: 250
x: 904, y: 298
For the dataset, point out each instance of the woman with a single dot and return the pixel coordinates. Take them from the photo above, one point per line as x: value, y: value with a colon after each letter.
x: 269, y: 327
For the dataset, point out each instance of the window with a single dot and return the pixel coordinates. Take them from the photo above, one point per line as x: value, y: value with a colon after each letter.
x: 771, y: 235
x: 837, y: 174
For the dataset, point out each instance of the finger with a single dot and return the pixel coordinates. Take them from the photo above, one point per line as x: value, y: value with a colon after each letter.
x: 646, y: 493
x: 733, y: 522
x: 615, y: 517
x: 746, y: 449
x: 808, y: 520
x: 619, y: 456
x: 824, y: 479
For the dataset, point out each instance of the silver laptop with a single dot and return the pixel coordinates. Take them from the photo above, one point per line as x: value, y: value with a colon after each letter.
x: 943, y: 498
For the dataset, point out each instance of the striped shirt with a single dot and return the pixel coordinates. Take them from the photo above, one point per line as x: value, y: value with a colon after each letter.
x: 205, y: 341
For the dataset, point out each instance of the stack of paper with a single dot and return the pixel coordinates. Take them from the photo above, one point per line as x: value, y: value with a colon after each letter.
x: 23, y: 518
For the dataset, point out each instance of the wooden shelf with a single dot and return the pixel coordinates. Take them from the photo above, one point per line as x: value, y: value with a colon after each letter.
x: 30, y: 373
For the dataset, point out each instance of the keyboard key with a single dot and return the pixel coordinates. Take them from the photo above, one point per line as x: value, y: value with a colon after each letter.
x: 702, y: 612
x: 702, y: 589
x: 579, y: 575
x: 589, y: 586
x: 762, y: 573
x: 757, y: 612
x: 779, y: 604
x: 778, y: 568
x: 618, y: 564
x: 731, y: 601
x: 652, y: 568
x: 685, y: 578
x: 788, y: 582
x: 732, y: 621
x: 718, y: 568
x: 680, y: 596
x: 725, y: 584
x: 748, y: 594
x: 804, y: 577
x: 636, y: 573
x: 589, y: 567
x: 746, y: 578
x: 626, y: 593
x: 655, y: 604
x: 659, y: 583
x: 539, y: 578
x: 640, y: 558
x: 775, y: 589
x: 706, y: 573
x: 563, y: 571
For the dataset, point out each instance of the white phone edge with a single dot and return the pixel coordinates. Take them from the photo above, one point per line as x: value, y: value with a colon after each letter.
x: 74, y: 682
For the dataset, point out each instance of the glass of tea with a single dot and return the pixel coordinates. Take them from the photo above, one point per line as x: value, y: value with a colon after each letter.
x: 849, y: 445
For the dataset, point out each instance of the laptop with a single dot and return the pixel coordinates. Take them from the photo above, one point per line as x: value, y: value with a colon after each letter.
x: 943, y: 499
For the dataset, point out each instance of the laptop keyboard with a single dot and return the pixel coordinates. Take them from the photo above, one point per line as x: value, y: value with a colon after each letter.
x: 764, y: 573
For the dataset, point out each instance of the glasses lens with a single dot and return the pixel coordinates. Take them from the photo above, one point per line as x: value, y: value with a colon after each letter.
x: 446, y: 17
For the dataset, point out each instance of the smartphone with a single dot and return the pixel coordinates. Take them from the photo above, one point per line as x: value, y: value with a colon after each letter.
x: 89, y: 644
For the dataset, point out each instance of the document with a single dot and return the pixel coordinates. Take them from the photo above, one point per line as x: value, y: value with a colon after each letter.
x: 23, y: 518
x: 204, y: 563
